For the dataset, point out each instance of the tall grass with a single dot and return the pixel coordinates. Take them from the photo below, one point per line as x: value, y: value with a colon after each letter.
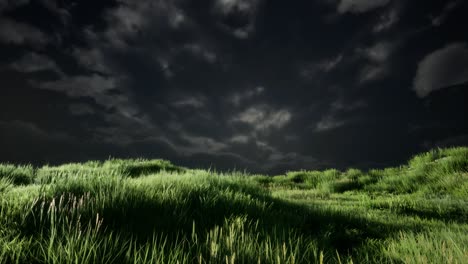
x: 140, y: 211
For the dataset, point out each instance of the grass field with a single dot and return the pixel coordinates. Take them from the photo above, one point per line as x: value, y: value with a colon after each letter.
x: 151, y: 211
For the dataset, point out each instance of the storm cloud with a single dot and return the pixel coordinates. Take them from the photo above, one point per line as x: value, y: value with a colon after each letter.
x: 266, y: 86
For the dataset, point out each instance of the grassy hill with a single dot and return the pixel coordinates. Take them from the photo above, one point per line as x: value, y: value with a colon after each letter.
x: 151, y: 211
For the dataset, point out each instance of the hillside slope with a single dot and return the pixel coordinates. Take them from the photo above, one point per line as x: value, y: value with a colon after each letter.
x: 151, y: 211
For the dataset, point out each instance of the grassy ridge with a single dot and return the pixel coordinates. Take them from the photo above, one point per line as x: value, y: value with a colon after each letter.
x: 151, y: 211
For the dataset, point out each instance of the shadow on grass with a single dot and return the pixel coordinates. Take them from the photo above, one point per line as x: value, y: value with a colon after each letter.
x: 456, y: 215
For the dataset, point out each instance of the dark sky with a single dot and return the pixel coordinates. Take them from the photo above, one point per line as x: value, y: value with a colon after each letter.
x: 260, y: 85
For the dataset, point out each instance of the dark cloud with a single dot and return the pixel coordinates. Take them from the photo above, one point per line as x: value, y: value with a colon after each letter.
x: 238, y: 17
x: 94, y: 86
x: 387, y: 20
x: 334, y: 118
x: 6, y: 5
x: 442, y: 68
x: 448, y: 8
x: 12, y: 32
x: 264, y: 85
x: 359, y: 6
x: 81, y: 109
x: 378, y: 61
x: 34, y: 62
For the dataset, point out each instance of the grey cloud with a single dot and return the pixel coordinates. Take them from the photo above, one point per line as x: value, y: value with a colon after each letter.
x: 195, y: 146
x: 312, y: 70
x: 12, y: 32
x: 372, y: 72
x: 125, y: 22
x: 200, y: 144
x: 51, y: 5
x: 92, y: 59
x: 262, y: 118
x: 378, y: 60
x: 239, y: 139
x: 239, y: 97
x: 278, y: 161
x: 332, y: 120
x: 227, y: 6
x: 290, y: 160
x: 11, y: 4
x: 201, y: 52
x: 61, y: 13
x: 360, y: 6
x: 448, y: 8
x: 125, y: 125
x: 329, y: 122
x: 81, y: 86
x: 81, y: 109
x: 131, y: 17
x: 442, y: 68
x: 378, y: 53
x: 341, y: 105
x: 165, y: 67
x: 193, y: 102
x: 387, y: 21
x: 104, y: 90
x: 330, y: 64
x: 33, y: 62
x: 245, y: 8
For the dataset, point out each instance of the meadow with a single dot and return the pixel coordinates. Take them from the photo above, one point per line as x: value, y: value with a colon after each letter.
x: 151, y: 211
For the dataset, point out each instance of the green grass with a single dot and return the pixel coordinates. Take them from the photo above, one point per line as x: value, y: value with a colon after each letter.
x: 151, y: 211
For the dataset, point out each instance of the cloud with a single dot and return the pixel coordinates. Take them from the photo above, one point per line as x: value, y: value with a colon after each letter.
x: 81, y: 109
x: 262, y: 118
x: 387, y: 21
x: 61, y: 13
x: 6, y: 5
x: 34, y: 62
x: 378, y: 60
x: 329, y: 122
x: 442, y: 68
x: 312, y: 70
x: 130, y: 18
x: 12, y: 32
x: 239, y: 139
x: 26, y: 130
x: 104, y: 90
x: 192, y: 102
x: 201, y: 52
x: 238, y: 98
x: 228, y: 6
x: 81, y: 86
x: 360, y: 6
x: 276, y: 161
x: 242, y: 16
x: 92, y: 59
x: 330, y: 64
x: 372, y: 72
x: 378, y: 53
x: 448, y: 8
x: 200, y: 144
x: 333, y: 118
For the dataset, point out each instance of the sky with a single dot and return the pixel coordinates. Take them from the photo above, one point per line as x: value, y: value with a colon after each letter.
x: 258, y: 85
